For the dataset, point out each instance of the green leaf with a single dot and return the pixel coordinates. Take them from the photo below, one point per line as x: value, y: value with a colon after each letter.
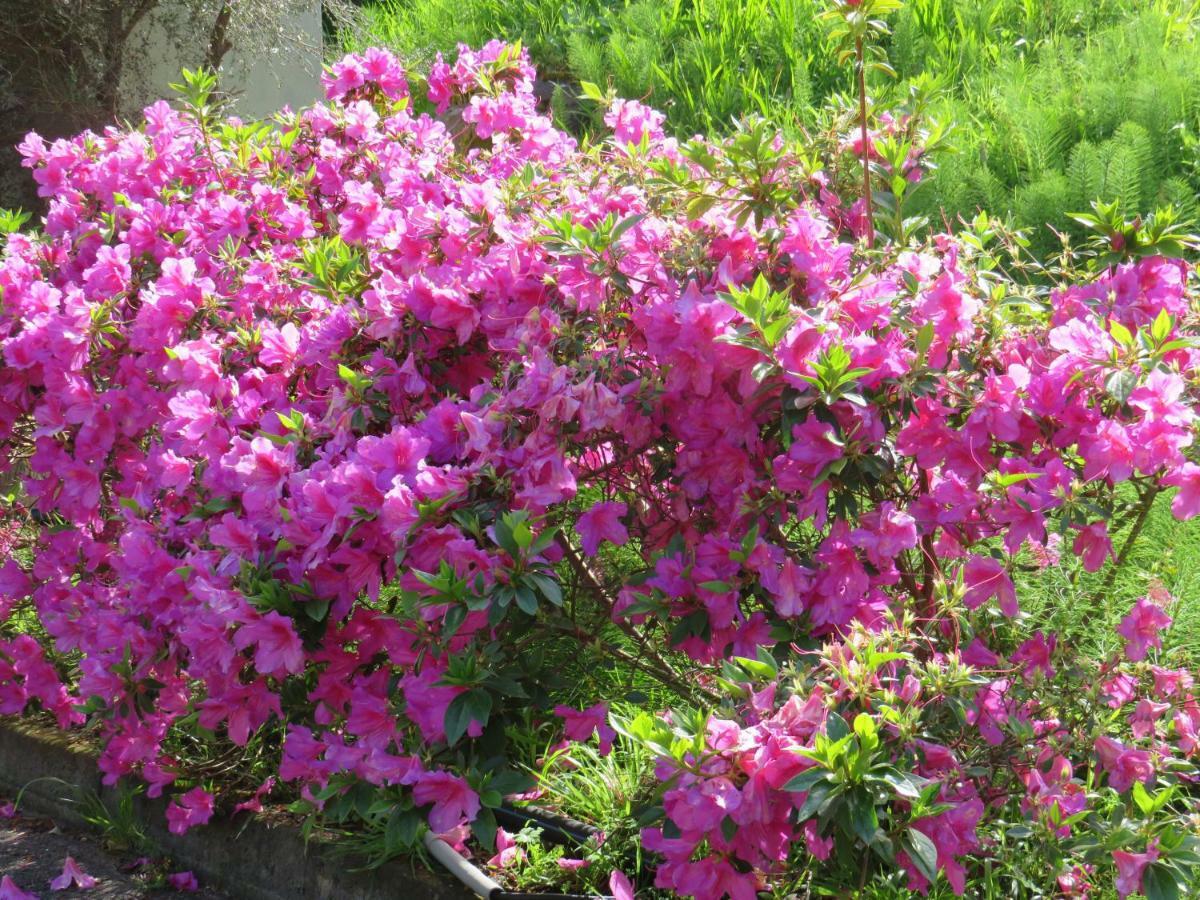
x: 400, y: 833
x: 1120, y: 333
x: 548, y: 587
x: 817, y: 795
x: 484, y: 828
x: 1143, y: 800
x: 491, y: 798
x: 699, y: 205
x: 511, y: 783
x: 625, y: 224
x: 729, y: 828
x: 1159, y: 883
x: 922, y: 852
x: 864, y: 727
x: 836, y: 727
x: 526, y: 600
x: 504, y: 537
x: 806, y: 779
x: 1163, y: 323
x: 1011, y: 478
x: 316, y: 609
x: 469, y: 706
x: 1120, y: 385
x: 864, y: 820
x: 904, y: 784
x: 591, y: 91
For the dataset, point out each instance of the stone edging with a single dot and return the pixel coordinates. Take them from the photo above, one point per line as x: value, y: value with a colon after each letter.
x: 247, y: 858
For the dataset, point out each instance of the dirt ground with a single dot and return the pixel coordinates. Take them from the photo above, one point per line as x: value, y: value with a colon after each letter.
x: 32, y: 851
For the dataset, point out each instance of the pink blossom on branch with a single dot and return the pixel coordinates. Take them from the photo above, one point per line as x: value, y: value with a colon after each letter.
x: 1141, y: 628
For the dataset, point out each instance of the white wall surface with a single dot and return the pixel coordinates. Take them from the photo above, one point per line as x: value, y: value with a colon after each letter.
x: 260, y: 82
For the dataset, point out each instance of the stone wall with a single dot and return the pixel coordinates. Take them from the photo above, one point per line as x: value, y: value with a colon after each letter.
x: 52, y: 79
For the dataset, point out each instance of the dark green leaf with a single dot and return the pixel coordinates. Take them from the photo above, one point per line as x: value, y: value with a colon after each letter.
x: 922, y: 852
x: 1158, y: 883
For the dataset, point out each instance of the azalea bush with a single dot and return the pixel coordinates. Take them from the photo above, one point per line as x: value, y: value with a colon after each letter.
x: 401, y: 449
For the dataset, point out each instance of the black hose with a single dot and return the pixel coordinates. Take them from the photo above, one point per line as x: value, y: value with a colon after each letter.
x: 555, y: 827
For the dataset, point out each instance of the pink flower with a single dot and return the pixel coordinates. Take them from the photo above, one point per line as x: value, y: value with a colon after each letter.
x: 278, y: 650
x: 453, y: 800
x: 986, y: 578
x: 507, y: 851
x: 1093, y: 546
x: 254, y: 804
x: 602, y: 523
x: 189, y: 810
x: 72, y: 876
x: 1141, y: 628
x: 1131, y: 867
x: 183, y: 881
x: 1075, y: 883
x: 579, y: 725
x: 979, y: 656
x: 1186, y: 504
x: 279, y: 345
x: 10, y: 891
x: 1119, y: 689
x: 1035, y: 655
x: 620, y: 885
x: 1123, y: 764
x: 819, y: 847
x: 632, y: 122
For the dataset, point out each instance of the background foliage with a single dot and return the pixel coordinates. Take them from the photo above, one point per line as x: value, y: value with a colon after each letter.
x: 1055, y: 103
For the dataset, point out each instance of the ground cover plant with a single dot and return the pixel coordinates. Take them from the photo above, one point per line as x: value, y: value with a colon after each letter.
x: 1055, y: 104
x: 410, y: 462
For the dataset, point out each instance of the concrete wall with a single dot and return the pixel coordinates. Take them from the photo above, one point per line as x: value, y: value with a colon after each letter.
x: 49, y: 82
x: 261, y: 82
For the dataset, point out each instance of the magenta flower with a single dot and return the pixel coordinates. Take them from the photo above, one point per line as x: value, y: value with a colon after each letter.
x: 183, y: 881
x: 1141, y: 628
x: 1186, y: 504
x: 278, y: 650
x: 189, y: 810
x: 508, y: 852
x: 978, y: 655
x: 602, y: 523
x: 620, y: 885
x: 254, y: 804
x: 1093, y: 546
x: 453, y: 800
x: 9, y: 890
x: 72, y: 876
x: 1123, y: 764
x: 986, y: 578
x: 819, y: 847
x: 1131, y: 867
x: 580, y: 725
x: 1035, y: 655
x: 632, y: 122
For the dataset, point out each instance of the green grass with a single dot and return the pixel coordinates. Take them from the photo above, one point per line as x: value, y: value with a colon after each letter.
x: 1056, y: 103
x: 1084, y: 608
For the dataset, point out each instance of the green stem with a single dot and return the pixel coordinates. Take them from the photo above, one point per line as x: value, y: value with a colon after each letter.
x: 866, y: 147
x: 1134, y: 533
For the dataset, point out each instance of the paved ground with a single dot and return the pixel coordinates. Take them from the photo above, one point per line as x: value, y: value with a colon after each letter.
x: 32, y: 851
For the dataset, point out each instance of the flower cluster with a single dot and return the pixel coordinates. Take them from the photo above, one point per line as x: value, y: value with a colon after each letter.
x: 318, y: 421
